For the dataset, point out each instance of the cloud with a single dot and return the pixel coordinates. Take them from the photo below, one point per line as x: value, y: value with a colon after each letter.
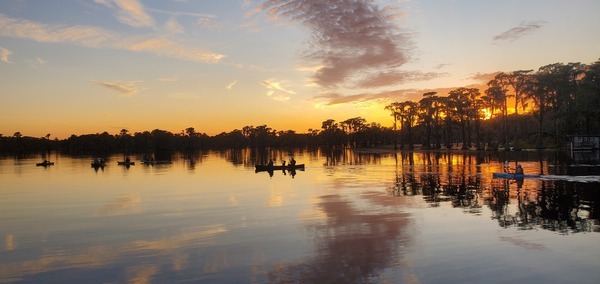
x: 388, y: 78
x: 517, y: 32
x: 4, y: 54
x: 484, y: 77
x: 100, y: 38
x: 169, y: 48
x: 230, y: 86
x: 441, y: 65
x: 385, y: 97
x: 126, y: 89
x: 350, y: 38
x: 130, y: 12
x: 173, y: 27
x: 276, y: 91
x: 276, y: 86
x: 207, y: 22
x: 38, y: 62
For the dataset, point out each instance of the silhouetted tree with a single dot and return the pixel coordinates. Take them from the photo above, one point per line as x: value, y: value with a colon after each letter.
x: 518, y: 81
x: 394, y: 109
x: 428, y: 113
x: 496, y: 95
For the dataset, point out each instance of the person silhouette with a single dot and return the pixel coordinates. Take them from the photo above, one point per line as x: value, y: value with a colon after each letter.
x: 519, y: 170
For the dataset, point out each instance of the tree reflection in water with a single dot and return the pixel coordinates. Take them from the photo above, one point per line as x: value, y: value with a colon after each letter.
x: 464, y: 179
x: 556, y: 205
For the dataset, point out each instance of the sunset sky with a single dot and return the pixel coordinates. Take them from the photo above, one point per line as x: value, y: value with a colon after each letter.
x: 88, y: 66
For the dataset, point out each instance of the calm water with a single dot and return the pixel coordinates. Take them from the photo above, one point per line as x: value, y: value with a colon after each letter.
x: 348, y: 218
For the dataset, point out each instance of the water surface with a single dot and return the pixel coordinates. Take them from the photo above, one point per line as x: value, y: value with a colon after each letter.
x: 350, y: 217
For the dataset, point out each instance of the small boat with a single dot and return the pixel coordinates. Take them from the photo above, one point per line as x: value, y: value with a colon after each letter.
x: 125, y: 163
x: 98, y: 164
x: 513, y: 175
x: 45, y: 164
x: 260, y: 168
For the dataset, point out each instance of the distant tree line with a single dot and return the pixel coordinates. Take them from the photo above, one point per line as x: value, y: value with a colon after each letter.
x: 550, y: 104
x: 189, y: 140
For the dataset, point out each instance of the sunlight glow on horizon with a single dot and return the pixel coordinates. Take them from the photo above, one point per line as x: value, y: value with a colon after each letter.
x: 223, y: 65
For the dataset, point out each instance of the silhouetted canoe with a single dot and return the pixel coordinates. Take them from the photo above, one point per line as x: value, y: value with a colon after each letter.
x: 98, y: 164
x: 260, y: 168
x: 513, y: 175
x: 45, y: 164
x: 125, y: 163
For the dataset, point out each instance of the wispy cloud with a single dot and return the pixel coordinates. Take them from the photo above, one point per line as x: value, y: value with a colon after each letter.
x: 126, y: 89
x: 173, y: 26
x: 279, y: 97
x: 38, y: 62
x: 441, y: 65
x: 277, y: 91
x: 100, y: 38
x: 334, y: 98
x: 130, y: 12
x: 203, y: 20
x: 350, y: 38
x: 484, y: 78
x: 385, y: 97
x: 4, y: 54
x: 170, y: 48
x: 207, y: 22
x: 517, y: 32
x: 230, y: 85
x: 276, y: 86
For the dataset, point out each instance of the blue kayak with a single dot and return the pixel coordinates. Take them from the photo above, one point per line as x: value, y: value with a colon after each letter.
x: 513, y: 175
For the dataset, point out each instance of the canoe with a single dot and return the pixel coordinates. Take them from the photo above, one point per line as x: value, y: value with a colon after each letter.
x: 98, y: 165
x: 125, y: 163
x: 513, y: 175
x: 278, y: 167
x: 44, y: 164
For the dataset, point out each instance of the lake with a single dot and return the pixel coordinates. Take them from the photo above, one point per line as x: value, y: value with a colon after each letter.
x: 348, y: 217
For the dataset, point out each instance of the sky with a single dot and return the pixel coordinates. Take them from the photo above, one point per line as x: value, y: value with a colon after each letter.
x: 89, y: 66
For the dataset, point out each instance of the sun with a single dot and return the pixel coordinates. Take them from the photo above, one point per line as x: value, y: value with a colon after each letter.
x: 487, y: 114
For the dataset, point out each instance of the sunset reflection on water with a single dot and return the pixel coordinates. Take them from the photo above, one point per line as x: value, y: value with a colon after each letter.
x: 350, y: 217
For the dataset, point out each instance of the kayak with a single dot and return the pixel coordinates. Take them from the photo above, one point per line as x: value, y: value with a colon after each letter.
x: 125, y: 163
x: 274, y: 167
x: 44, y: 164
x: 513, y: 175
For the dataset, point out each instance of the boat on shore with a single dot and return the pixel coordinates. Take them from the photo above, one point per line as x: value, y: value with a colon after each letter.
x: 45, y: 164
x: 262, y: 168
